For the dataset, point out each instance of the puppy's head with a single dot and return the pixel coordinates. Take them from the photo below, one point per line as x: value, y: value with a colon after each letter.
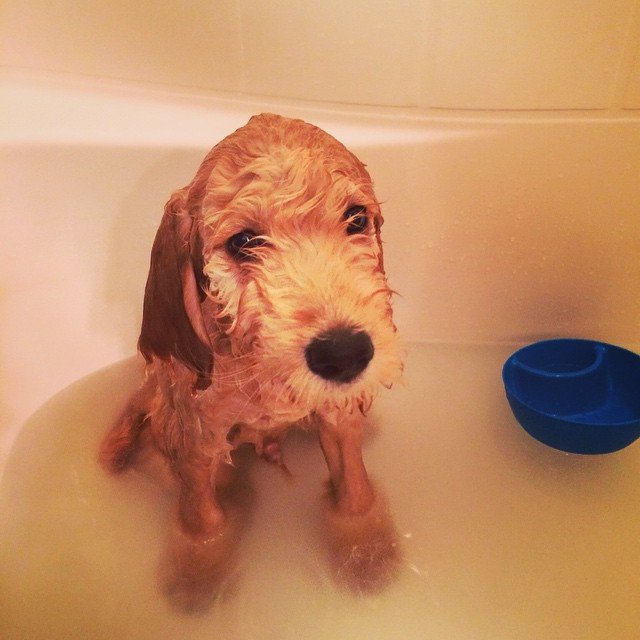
x: 276, y: 267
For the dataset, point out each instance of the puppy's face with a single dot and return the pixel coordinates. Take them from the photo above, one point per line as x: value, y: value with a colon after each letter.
x: 297, y: 290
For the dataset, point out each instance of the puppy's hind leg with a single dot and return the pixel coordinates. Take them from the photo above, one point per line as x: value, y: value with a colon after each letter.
x: 121, y: 444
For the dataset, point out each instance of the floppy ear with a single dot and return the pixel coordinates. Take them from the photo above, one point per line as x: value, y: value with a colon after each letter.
x: 172, y: 322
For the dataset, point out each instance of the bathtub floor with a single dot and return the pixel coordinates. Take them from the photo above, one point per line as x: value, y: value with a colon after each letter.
x: 503, y: 538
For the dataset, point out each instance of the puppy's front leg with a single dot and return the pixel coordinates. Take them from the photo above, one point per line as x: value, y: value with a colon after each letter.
x: 199, y: 511
x: 361, y: 535
x: 342, y: 447
x: 202, y: 548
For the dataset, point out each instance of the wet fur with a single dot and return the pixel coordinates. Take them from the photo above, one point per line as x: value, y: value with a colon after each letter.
x: 224, y: 344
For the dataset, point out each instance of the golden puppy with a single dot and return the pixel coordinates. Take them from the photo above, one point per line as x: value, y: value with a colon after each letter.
x: 266, y: 306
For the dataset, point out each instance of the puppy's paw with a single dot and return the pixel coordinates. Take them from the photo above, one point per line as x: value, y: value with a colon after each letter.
x: 364, y: 548
x: 196, y: 571
x: 200, y: 569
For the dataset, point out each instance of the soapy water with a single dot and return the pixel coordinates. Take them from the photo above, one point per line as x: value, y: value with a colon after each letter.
x: 501, y: 536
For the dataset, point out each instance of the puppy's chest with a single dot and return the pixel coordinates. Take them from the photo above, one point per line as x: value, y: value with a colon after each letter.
x: 241, y: 420
x: 240, y: 411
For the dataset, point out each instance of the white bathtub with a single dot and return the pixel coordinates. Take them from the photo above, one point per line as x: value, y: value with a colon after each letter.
x: 500, y: 229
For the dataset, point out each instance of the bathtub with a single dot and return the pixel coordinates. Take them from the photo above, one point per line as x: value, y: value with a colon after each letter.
x: 501, y: 228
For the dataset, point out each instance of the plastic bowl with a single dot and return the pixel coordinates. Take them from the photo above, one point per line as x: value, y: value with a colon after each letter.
x: 578, y: 396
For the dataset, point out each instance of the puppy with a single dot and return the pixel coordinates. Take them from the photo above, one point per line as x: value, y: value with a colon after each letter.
x: 266, y: 306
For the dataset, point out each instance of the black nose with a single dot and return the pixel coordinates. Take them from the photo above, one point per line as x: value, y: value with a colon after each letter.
x: 339, y: 354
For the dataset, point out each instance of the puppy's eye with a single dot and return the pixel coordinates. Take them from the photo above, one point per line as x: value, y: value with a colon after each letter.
x: 356, y: 218
x: 240, y: 246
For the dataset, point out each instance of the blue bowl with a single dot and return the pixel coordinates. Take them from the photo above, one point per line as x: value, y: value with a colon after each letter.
x: 579, y: 396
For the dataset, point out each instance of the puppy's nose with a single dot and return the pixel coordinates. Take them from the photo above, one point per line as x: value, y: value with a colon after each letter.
x: 339, y: 354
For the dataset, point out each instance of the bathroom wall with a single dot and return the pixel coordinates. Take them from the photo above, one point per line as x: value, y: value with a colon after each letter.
x: 434, y: 54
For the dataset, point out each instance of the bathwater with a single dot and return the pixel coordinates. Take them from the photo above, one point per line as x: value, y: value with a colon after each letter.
x: 503, y: 538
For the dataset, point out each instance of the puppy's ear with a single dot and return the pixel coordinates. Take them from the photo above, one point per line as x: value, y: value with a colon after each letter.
x: 172, y: 322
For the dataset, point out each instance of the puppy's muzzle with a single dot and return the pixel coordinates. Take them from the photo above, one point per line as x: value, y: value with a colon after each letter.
x: 339, y: 355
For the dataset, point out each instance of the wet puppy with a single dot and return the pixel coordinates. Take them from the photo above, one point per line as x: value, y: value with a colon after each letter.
x: 266, y: 306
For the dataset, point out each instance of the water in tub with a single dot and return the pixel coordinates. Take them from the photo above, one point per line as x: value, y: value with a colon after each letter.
x: 503, y: 538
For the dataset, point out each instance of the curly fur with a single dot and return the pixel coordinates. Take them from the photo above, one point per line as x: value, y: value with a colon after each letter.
x: 225, y: 340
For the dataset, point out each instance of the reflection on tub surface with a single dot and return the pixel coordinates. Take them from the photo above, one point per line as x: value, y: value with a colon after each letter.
x: 503, y: 537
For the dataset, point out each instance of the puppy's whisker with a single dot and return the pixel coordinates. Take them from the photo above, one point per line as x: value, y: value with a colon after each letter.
x: 284, y: 389
x: 381, y: 291
x: 235, y: 374
x: 250, y: 398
